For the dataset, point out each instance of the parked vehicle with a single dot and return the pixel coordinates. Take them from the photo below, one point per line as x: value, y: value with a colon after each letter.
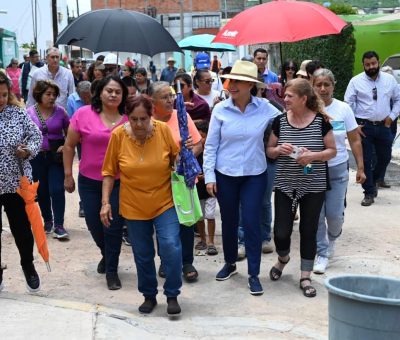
x: 394, y: 62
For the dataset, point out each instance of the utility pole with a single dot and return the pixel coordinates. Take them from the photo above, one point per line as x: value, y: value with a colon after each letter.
x: 54, y: 17
x: 77, y: 13
x: 182, y: 22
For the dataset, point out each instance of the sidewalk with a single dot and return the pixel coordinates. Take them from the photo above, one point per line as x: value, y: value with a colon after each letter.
x: 74, y: 302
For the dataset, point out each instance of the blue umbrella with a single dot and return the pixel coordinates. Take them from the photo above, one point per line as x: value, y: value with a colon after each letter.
x: 203, y: 42
x: 187, y: 165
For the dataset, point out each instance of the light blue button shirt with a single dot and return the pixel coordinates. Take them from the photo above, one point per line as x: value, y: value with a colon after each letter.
x: 235, y: 140
x: 74, y: 102
x: 359, y: 95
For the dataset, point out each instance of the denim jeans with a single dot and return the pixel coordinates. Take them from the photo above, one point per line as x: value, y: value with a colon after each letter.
x: 107, y: 239
x: 381, y: 138
x: 266, y: 209
x: 167, y: 230
x: 331, y: 217
x: 51, y: 193
x: 248, y: 192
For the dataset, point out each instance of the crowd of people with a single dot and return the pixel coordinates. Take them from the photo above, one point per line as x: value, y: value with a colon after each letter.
x: 252, y: 131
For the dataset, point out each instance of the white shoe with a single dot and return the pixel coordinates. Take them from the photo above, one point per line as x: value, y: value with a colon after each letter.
x: 320, y: 265
x: 241, y: 252
x: 331, y: 249
x: 267, y: 247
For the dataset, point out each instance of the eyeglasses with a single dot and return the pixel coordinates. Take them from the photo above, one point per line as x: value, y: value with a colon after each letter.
x: 374, y: 93
x: 288, y: 68
x: 167, y: 97
x: 176, y: 86
x: 207, y: 81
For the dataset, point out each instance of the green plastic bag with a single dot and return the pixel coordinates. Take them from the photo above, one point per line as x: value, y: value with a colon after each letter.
x: 186, y: 200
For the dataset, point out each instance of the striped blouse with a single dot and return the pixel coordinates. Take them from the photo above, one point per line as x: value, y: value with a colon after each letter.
x: 290, y: 177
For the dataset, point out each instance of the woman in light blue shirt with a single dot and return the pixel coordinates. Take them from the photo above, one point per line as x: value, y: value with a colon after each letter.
x: 235, y: 168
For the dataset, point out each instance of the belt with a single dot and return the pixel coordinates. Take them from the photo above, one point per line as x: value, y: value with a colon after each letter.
x: 370, y: 122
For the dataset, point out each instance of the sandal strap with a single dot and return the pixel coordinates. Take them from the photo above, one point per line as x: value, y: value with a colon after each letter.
x: 305, y: 279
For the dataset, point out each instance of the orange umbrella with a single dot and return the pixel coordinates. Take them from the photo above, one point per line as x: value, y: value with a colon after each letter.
x: 28, y: 192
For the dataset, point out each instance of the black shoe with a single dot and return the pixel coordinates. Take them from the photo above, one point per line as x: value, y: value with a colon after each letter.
x: 101, y: 267
x: 32, y: 278
x: 383, y: 184
x: 148, y: 305
x: 81, y: 212
x: 113, y: 281
x: 125, y: 237
x: 367, y: 201
x: 173, y: 308
x: 161, y: 272
x: 1, y: 279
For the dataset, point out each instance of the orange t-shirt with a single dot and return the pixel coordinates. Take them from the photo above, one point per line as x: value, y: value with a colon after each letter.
x: 174, y: 126
x: 145, y: 171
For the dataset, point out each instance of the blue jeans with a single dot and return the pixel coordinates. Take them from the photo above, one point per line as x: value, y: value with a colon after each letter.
x: 381, y: 138
x: 266, y: 209
x: 331, y: 218
x: 107, y: 239
x: 140, y: 233
x: 51, y: 193
x: 248, y: 192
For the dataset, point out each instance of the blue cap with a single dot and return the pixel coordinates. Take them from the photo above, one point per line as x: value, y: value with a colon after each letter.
x: 202, y: 60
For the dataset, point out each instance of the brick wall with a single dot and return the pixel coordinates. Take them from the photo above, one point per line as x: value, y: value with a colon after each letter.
x: 162, y: 6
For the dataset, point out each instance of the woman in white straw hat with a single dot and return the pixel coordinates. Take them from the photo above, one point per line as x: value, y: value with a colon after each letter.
x: 235, y: 167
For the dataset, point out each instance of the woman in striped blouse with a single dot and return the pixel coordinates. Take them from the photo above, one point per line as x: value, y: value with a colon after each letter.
x: 302, y: 142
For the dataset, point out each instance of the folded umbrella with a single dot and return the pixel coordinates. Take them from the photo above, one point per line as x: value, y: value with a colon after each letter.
x: 28, y: 191
x: 187, y: 165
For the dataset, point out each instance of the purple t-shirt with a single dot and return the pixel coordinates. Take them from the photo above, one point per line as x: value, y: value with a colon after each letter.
x: 56, y: 124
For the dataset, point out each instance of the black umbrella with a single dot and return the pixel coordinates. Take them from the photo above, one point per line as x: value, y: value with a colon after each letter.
x: 118, y: 30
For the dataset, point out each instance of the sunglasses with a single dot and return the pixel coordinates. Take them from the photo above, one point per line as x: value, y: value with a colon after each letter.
x: 288, y: 68
x: 374, y: 93
x: 207, y: 81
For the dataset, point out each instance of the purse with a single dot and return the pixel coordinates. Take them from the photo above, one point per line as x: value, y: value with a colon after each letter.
x: 54, y: 144
x: 186, y: 200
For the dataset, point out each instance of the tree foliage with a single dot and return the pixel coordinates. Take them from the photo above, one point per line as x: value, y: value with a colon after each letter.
x: 342, y: 9
x: 336, y: 52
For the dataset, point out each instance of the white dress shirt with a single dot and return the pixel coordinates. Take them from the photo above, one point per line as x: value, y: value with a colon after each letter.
x: 359, y: 95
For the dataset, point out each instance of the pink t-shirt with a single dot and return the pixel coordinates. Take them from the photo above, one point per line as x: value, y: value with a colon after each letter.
x: 94, y: 139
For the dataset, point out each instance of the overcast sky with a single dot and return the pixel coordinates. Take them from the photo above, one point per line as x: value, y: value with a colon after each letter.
x: 84, y: 6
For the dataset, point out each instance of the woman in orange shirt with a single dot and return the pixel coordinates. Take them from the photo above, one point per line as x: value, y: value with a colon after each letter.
x: 163, y: 100
x: 143, y: 152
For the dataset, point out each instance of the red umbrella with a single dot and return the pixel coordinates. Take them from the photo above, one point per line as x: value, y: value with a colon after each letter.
x: 280, y: 21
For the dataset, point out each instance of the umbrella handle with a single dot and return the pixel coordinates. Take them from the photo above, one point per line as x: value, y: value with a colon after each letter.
x: 20, y: 167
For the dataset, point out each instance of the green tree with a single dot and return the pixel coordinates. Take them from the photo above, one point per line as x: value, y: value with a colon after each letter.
x: 336, y: 52
x: 342, y: 9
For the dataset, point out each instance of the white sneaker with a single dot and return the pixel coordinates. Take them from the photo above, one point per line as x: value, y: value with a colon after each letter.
x: 331, y: 249
x: 320, y: 265
x: 241, y: 252
x: 267, y: 247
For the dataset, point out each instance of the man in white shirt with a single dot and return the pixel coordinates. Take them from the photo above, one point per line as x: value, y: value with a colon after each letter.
x: 60, y: 75
x: 369, y: 94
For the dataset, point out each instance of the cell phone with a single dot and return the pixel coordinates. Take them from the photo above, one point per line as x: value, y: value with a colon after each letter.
x: 296, y: 152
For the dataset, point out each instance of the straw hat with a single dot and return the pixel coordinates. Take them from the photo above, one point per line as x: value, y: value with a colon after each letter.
x: 302, y: 71
x: 243, y: 70
x: 171, y: 59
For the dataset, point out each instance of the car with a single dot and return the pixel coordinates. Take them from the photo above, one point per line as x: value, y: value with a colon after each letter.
x: 394, y: 62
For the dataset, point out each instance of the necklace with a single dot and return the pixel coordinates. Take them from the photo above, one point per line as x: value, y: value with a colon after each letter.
x: 113, y: 123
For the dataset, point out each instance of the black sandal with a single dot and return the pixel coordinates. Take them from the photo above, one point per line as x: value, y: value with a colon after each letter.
x: 186, y: 270
x: 308, y: 291
x: 275, y: 274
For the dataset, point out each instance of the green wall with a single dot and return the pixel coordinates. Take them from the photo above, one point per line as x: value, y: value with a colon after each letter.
x: 374, y: 37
